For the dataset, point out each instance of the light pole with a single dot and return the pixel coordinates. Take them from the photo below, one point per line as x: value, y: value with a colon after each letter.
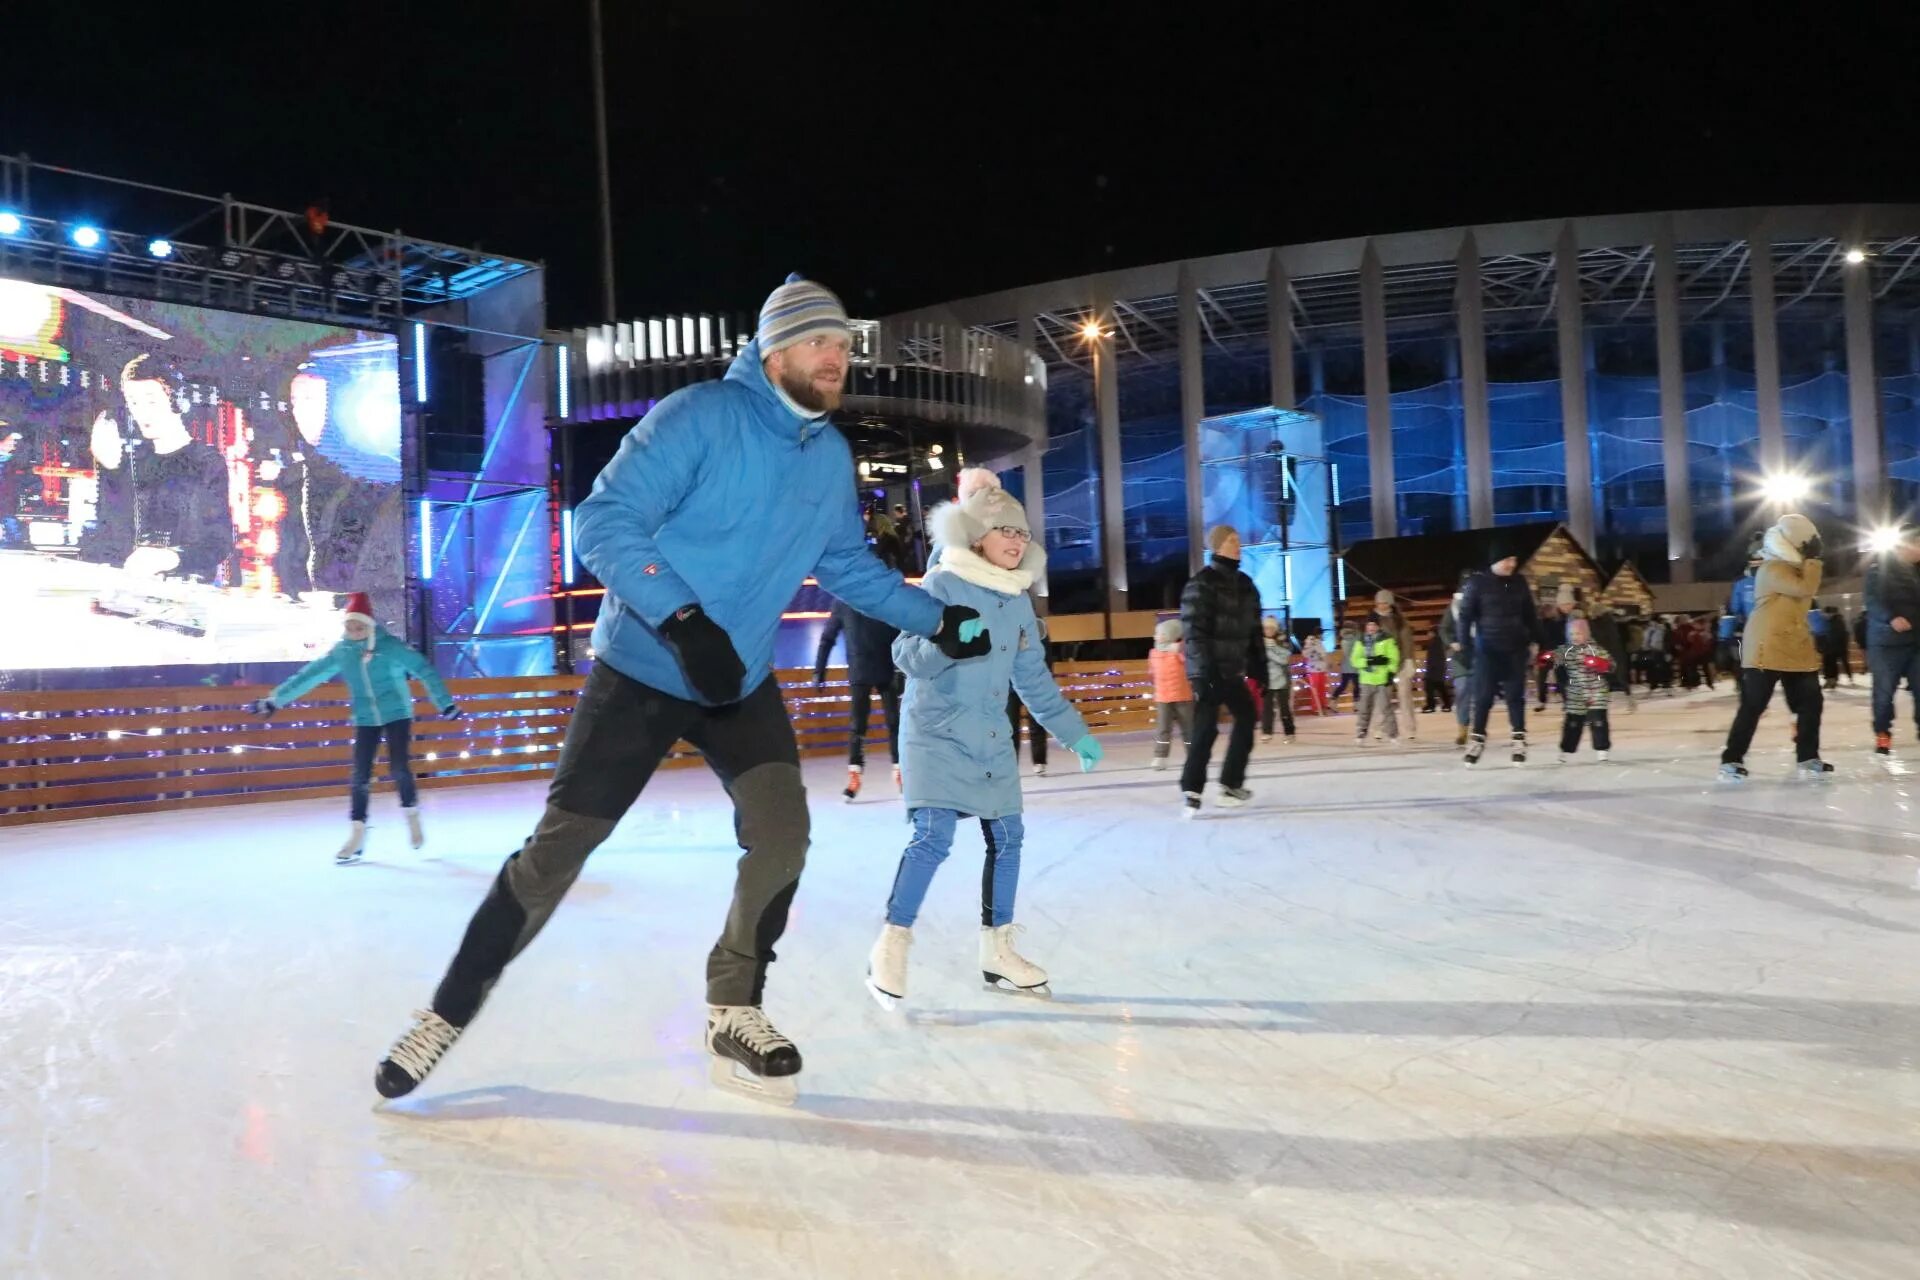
x: 607, y: 312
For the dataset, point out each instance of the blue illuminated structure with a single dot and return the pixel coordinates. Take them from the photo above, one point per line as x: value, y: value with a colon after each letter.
x: 1264, y: 472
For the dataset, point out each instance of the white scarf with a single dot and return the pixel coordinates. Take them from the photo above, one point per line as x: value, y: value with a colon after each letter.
x: 970, y: 566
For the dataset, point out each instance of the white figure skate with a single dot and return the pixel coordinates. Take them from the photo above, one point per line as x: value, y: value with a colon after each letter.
x: 887, y: 967
x: 1004, y: 969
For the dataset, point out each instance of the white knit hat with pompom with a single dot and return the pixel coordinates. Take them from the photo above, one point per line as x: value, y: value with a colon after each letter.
x: 982, y: 505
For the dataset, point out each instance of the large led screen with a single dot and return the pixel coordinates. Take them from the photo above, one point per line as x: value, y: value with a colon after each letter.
x: 183, y: 486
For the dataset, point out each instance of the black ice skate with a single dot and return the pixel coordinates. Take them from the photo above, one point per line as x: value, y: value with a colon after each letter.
x: 1519, y: 748
x: 1190, y: 804
x: 414, y: 1054
x: 1813, y: 771
x: 1476, y: 747
x: 750, y: 1056
x: 1733, y: 772
x: 1233, y: 797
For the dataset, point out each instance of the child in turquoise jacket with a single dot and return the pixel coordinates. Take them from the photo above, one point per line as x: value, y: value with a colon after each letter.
x: 375, y: 666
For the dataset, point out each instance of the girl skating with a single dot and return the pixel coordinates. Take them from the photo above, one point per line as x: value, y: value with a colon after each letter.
x: 375, y: 666
x: 957, y: 756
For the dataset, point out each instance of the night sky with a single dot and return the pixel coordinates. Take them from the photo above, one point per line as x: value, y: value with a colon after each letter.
x: 904, y: 162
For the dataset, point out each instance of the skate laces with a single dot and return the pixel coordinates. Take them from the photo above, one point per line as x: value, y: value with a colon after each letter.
x: 752, y: 1028
x: 429, y: 1037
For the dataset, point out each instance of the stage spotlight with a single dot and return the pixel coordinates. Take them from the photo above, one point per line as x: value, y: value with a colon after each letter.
x: 933, y: 461
x: 230, y: 259
x: 160, y: 248
x: 9, y: 223
x: 1884, y: 539
x: 87, y: 237
x: 1090, y: 330
x: 1856, y: 256
x: 1785, y: 489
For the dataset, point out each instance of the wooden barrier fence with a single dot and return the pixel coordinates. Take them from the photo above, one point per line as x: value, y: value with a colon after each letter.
x: 92, y: 753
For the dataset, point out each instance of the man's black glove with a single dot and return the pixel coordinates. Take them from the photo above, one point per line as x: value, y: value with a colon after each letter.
x: 954, y: 626
x: 1811, y: 548
x: 706, y: 654
x: 1377, y: 660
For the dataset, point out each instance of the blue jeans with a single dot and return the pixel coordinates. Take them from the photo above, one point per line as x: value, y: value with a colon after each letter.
x: 933, y: 840
x: 366, y: 744
x: 1890, y: 664
x: 1463, y: 699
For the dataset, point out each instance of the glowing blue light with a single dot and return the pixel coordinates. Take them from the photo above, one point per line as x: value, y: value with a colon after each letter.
x: 1333, y: 469
x: 565, y: 357
x: 85, y: 236
x: 10, y: 223
x: 160, y: 248
x: 1341, y: 564
x: 419, y: 363
x: 367, y: 411
x: 1286, y: 566
x: 566, y: 544
x: 426, y: 541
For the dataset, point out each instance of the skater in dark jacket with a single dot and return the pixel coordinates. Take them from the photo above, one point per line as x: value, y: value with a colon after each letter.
x: 1893, y: 633
x: 1497, y: 610
x: 1778, y: 648
x: 870, y: 671
x: 1220, y: 617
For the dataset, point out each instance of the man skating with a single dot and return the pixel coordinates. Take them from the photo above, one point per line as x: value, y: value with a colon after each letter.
x: 1498, y: 612
x: 702, y: 527
x: 1220, y: 617
x: 1893, y: 633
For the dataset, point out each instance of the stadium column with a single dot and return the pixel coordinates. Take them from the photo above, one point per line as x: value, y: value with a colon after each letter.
x: 1373, y: 326
x: 1106, y: 401
x: 1863, y: 390
x: 1033, y: 466
x: 1673, y: 402
x: 1473, y: 384
x: 1766, y: 347
x: 1193, y: 407
x: 1280, y: 333
x: 1573, y: 388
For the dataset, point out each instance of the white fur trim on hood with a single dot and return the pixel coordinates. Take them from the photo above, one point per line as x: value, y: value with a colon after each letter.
x: 983, y: 505
x: 1784, y: 540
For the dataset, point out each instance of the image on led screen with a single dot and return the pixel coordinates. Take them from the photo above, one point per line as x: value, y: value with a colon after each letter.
x: 183, y: 486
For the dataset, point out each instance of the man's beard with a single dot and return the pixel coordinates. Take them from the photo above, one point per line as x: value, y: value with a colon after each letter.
x: 809, y: 396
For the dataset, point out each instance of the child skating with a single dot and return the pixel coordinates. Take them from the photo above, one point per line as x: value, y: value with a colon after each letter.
x: 375, y: 666
x: 1172, y: 691
x: 1375, y: 657
x: 1586, y: 684
x: 957, y: 756
x: 1280, y: 650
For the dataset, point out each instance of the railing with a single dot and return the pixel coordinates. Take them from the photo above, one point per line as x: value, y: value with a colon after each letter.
x: 102, y: 752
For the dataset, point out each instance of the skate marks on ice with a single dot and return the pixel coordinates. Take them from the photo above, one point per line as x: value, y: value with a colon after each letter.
x: 1742, y: 868
x: 1863, y: 1193
x: 1863, y: 1034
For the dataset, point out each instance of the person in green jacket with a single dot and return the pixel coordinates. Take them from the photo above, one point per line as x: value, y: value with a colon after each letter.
x: 1375, y: 657
x: 375, y: 666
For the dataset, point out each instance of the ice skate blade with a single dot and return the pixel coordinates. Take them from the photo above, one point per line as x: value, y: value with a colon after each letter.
x: 885, y: 999
x: 1039, y: 991
x: 730, y: 1077
x: 348, y: 859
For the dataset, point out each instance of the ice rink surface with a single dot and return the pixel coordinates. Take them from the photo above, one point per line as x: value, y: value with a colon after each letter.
x: 1395, y: 1019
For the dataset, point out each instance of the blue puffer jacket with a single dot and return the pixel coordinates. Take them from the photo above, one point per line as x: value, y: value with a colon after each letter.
x: 376, y: 685
x: 955, y: 751
x: 726, y: 497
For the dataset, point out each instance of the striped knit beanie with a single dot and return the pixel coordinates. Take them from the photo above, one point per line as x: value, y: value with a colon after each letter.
x: 798, y: 309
